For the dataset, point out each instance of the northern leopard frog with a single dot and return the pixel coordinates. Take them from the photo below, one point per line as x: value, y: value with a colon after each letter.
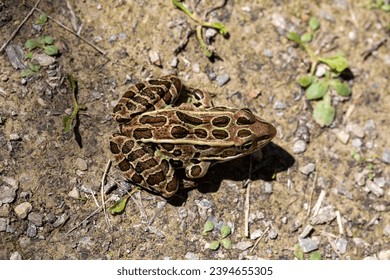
x: 157, y: 136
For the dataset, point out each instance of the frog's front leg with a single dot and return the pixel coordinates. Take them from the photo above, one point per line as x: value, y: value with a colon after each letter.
x: 148, y: 96
x: 142, y: 166
x: 197, y: 169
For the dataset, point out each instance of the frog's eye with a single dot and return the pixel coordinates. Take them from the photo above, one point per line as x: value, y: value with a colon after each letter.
x: 247, y: 145
x: 245, y: 117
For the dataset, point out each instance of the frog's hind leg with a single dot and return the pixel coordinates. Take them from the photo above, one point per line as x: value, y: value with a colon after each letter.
x: 140, y: 165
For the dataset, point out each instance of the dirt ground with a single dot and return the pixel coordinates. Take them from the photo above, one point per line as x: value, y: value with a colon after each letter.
x: 324, y: 188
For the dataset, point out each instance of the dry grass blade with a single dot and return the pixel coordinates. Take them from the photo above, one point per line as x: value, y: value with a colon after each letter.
x: 108, y: 165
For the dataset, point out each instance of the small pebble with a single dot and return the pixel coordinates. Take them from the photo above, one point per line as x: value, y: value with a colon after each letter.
x: 174, y: 62
x: 279, y: 22
x: 10, y: 181
x: 284, y: 220
x: 43, y: 59
x: 308, y: 244
x: 272, y: 234
x: 210, y: 33
x: 380, y: 181
x: 360, y: 178
x: 321, y: 70
x: 81, y: 164
x: 374, y: 188
x: 35, y: 218
x: 31, y: 230
x: 23, y: 209
x: 308, y: 168
x: 256, y: 234
x: 268, y: 53
x: 122, y: 36
x: 154, y: 58
x: 325, y: 215
x: 113, y: 38
x: 268, y: 187
x: 386, y: 156
x: 195, y: 68
x: 384, y: 255
x: 386, y: 230
x: 357, y: 142
x: 222, y: 79
x: 60, y: 220
x: 355, y: 129
x: 341, y: 245
x: 279, y: 105
x: 204, y: 203
x: 15, y: 256
x: 342, y: 135
x: 243, y: 245
x: 74, y: 193
x: 299, y: 147
x: 370, y: 127
x: 4, y: 222
x: 14, y: 137
x: 191, y: 256
x: 352, y: 35
x: 7, y: 194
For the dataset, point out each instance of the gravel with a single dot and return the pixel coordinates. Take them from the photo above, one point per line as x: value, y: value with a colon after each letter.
x: 308, y: 244
x: 374, y: 188
x: 23, y: 209
x: 308, y: 168
x: 243, y: 245
x: 81, y: 164
x: 43, y: 59
x: 35, y: 218
x: 386, y: 156
x: 325, y: 215
x: 341, y: 245
x: 342, y: 135
x: 299, y: 147
x: 222, y: 79
x: 154, y: 58
x: 7, y: 194
x: 279, y: 105
x: 4, y: 224
x: 31, y: 230
x: 256, y: 234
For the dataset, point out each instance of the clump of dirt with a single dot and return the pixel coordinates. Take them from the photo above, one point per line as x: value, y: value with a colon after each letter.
x: 324, y: 188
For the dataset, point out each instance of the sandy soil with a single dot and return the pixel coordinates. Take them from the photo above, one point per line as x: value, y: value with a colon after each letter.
x: 50, y: 180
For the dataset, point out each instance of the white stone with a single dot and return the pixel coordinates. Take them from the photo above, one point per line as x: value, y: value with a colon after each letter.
x: 23, y: 209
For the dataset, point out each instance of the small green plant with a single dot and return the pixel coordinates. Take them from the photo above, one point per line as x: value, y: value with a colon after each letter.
x: 300, y: 255
x: 379, y: 4
x: 42, y: 19
x: 119, y: 206
x: 30, y: 70
x: 68, y: 120
x: 223, y: 240
x: 319, y: 88
x: 220, y: 27
x: 44, y: 42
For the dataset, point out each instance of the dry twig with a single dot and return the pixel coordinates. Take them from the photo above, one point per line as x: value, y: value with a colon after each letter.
x: 20, y: 26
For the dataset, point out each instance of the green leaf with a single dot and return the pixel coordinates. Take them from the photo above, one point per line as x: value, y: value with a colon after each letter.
x: 118, y: 206
x: 67, y: 123
x: 307, y: 37
x: 386, y: 8
x: 315, y: 256
x: 41, y: 41
x: 214, y: 245
x: 31, y: 44
x: 34, y: 67
x: 314, y: 23
x: 42, y: 19
x: 27, y: 72
x: 220, y: 27
x: 324, y: 112
x: 298, y: 252
x: 305, y: 81
x: 316, y: 90
x: 225, y: 231
x: 338, y: 62
x: 48, y: 40
x: 294, y: 36
x: 341, y: 88
x: 50, y: 50
x: 208, y: 226
x: 226, y: 243
x: 29, y: 55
